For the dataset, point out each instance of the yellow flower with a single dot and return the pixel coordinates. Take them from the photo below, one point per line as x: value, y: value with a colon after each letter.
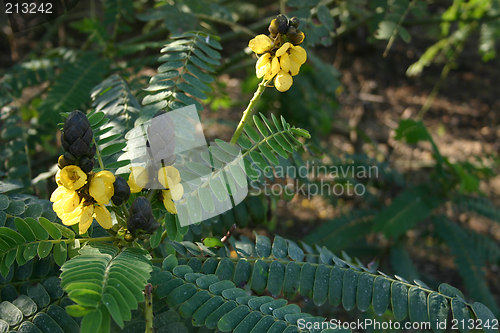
x: 294, y: 66
x: 101, y: 187
x: 283, y: 81
x: 298, y: 54
x: 84, y: 214
x: 89, y: 212
x: 72, y: 177
x: 65, y: 201
x: 138, y: 179
x: 281, y: 66
x: 275, y: 67
x: 263, y: 65
x: 283, y: 49
x: 260, y: 44
x: 170, y: 178
x: 285, y: 62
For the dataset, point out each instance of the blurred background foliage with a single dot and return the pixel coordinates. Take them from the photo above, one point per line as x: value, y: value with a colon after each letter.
x: 409, y: 87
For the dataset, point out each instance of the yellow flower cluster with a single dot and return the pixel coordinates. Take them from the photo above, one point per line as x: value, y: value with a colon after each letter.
x: 78, y: 199
x: 169, y: 177
x: 281, y: 66
x: 281, y: 54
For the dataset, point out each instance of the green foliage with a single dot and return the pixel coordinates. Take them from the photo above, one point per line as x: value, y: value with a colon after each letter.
x: 186, y: 61
x: 338, y: 233
x: 24, y: 75
x: 216, y: 303
x: 264, y: 147
x: 32, y: 299
x: 407, y: 209
x: 469, y: 263
x: 80, y: 76
x: 284, y: 268
x: 104, y: 280
x: 478, y: 205
x: 34, y: 238
x: 16, y: 162
x: 200, y: 278
x: 109, y: 141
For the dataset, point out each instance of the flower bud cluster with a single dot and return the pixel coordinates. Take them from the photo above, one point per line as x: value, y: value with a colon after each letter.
x: 77, y: 142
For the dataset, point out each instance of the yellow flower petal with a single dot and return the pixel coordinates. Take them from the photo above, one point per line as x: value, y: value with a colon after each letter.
x: 65, y: 201
x: 72, y: 177
x: 294, y: 66
x: 282, y: 50
x: 285, y: 62
x: 138, y: 179
x: 269, y: 75
x: 106, y: 176
x: 58, y: 193
x: 103, y: 217
x: 71, y: 202
x: 260, y: 44
x: 275, y: 66
x: 86, y: 219
x: 263, y: 65
x: 299, y: 53
x: 168, y: 203
x: 283, y: 81
x: 176, y: 191
x: 58, y: 177
x: 99, y: 191
x: 169, y: 176
x: 101, y: 187
x: 72, y: 217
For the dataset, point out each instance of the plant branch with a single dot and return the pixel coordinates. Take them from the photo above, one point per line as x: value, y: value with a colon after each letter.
x: 396, y: 29
x: 248, y: 111
x: 98, y: 153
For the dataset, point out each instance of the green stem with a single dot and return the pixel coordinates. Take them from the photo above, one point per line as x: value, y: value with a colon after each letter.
x: 148, y: 310
x: 395, y: 31
x: 248, y: 111
x: 81, y: 240
x: 98, y: 153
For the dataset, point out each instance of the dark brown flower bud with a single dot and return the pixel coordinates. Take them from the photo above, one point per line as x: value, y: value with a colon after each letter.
x: 86, y: 164
x: 122, y: 191
x: 294, y: 22
x: 295, y: 36
x: 70, y: 159
x: 141, y: 217
x: 279, y: 25
x: 273, y: 27
x: 62, y: 162
x: 77, y: 135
